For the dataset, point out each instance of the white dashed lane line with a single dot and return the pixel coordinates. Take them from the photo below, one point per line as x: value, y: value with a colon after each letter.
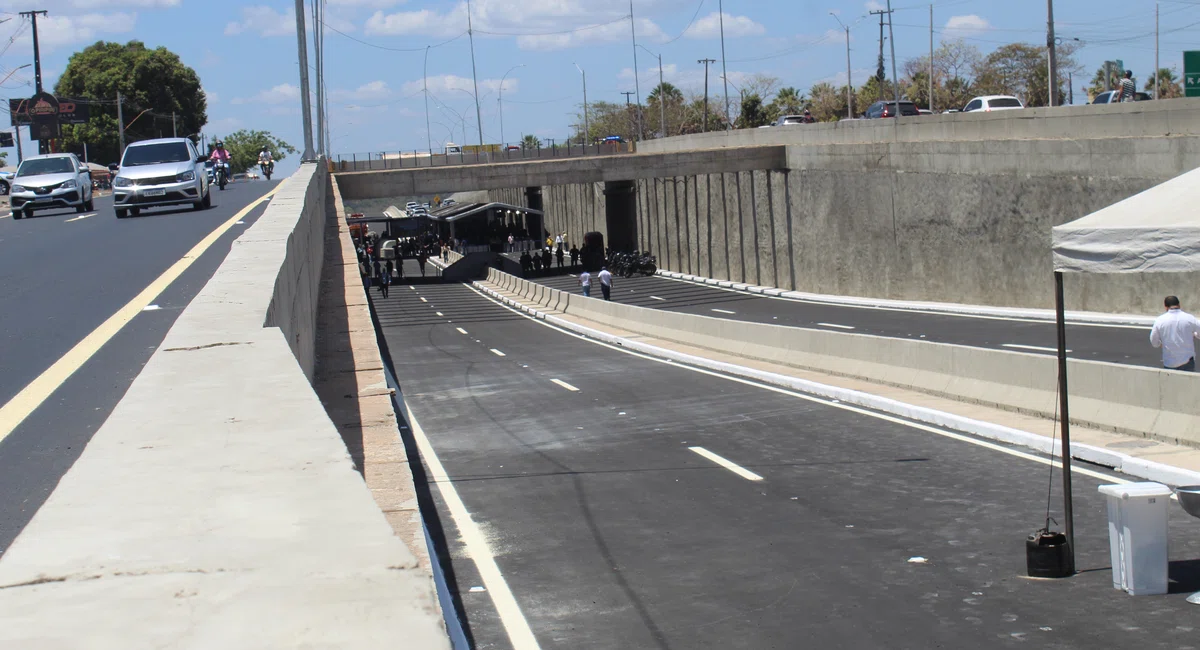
x: 423, y: 299
x: 82, y: 216
x: 729, y: 465
x: 724, y: 311
x: 461, y: 330
x: 835, y: 325
x: 657, y: 298
x: 498, y: 353
x: 439, y: 313
x: 565, y: 385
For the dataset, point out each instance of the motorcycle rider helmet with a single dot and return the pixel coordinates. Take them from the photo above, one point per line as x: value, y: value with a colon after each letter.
x: 220, y: 145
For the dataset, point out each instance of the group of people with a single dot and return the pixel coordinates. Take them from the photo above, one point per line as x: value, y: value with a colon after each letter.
x: 603, y: 277
x: 544, y: 259
x: 380, y: 272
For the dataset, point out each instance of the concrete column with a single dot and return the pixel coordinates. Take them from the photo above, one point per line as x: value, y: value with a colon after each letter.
x: 733, y: 225
x: 703, y: 225
x: 752, y: 265
x: 716, y: 215
x: 782, y: 209
x: 620, y: 215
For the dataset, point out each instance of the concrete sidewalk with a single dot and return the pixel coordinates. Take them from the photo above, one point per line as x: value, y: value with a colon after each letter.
x: 1178, y: 456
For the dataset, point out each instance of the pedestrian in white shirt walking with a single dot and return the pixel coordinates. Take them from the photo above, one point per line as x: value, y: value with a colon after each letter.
x: 585, y: 281
x: 606, y: 282
x: 1176, y: 332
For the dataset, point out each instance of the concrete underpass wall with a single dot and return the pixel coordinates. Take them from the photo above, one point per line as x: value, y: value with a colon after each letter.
x: 965, y: 222
x: 574, y: 208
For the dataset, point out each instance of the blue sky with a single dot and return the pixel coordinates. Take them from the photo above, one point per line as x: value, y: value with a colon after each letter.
x: 245, y: 52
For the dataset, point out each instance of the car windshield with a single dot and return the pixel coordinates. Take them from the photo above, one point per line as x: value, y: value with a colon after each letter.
x: 793, y: 119
x: 43, y: 166
x: 153, y: 154
x: 1005, y: 102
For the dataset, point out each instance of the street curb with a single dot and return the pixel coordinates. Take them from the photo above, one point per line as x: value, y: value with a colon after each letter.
x: 947, y: 308
x: 1119, y: 461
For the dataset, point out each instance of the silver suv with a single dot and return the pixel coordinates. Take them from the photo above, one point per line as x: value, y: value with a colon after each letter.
x: 163, y: 172
x: 56, y: 180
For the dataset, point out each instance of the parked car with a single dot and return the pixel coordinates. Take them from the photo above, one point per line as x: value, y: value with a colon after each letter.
x: 889, y: 109
x: 785, y: 120
x: 989, y: 103
x: 162, y: 172
x: 1110, y: 96
x: 56, y: 180
x: 924, y: 111
x: 512, y: 147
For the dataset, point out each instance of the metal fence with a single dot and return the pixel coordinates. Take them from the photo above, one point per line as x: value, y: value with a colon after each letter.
x: 379, y: 160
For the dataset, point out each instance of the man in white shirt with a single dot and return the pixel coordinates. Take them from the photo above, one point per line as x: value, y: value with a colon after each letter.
x: 1176, y: 332
x: 585, y: 281
x: 606, y: 282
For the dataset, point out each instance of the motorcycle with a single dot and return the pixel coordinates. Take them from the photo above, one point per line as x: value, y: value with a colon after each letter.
x: 221, y: 170
x: 268, y: 168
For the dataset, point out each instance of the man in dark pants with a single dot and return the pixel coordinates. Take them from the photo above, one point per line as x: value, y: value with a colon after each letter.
x: 606, y: 283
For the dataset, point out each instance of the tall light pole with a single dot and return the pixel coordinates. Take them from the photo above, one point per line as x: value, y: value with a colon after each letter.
x: 892, y: 42
x: 849, y: 101
x: 474, y: 76
x: 724, y: 72
x: 587, y: 129
x: 305, y: 109
x: 636, y: 86
x: 662, y: 106
x: 500, y: 99
x: 425, y: 83
x: 706, y: 62
x: 1156, y: 50
x: 1052, y: 59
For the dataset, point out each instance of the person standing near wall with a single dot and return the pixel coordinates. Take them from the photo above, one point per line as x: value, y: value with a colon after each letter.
x: 1128, y: 88
x: 606, y: 283
x: 585, y: 282
x: 385, y: 282
x: 1176, y: 331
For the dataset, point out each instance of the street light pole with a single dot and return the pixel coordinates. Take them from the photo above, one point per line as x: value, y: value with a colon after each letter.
x: 1052, y: 58
x: 305, y: 108
x: 636, y: 85
x: 587, y: 130
x: 706, y: 62
x: 892, y: 43
x: 500, y: 100
x: 474, y: 76
x: 849, y: 101
x: 662, y: 108
x: 724, y: 72
x: 425, y: 83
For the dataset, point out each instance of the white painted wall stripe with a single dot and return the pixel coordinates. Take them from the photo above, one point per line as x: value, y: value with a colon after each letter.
x: 727, y: 464
x: 565, y: 385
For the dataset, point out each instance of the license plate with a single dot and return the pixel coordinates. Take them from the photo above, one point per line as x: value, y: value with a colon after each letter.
x: 156, y: 192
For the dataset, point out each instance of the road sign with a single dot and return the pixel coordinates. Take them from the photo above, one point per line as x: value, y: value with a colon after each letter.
x: 1191, y: 74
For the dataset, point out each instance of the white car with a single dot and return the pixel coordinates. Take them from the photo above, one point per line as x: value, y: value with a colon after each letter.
x: 989, y: 103
x: 163, y: 172
x: 56, y: 180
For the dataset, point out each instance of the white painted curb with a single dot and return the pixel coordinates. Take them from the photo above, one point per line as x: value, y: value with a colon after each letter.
x: 1119, y: 461
x: 948, y: 308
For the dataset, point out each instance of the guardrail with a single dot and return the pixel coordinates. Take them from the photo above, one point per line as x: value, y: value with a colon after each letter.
x: 380, y: 160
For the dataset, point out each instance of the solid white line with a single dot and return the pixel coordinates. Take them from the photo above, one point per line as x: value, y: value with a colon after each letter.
x: 1029, y: 347
x: 520, y: 635
x: 461, y: 330
x: 82, y: 216
x: 841, y: 327
x: 729, y: 465
x: 565, y: 385
x: 821, y: 400
x: 498, y: 353
x: 724, y: 311
x: 657, y: 298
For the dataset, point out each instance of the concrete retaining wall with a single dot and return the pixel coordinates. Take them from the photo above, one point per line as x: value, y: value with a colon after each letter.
x: 218, y: 500
x: 1128, y: 399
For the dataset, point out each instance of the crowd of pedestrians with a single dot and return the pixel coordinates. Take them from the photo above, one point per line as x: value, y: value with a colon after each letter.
x: 379, y: 272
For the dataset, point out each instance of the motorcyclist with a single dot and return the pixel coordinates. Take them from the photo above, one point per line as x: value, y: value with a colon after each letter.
x: 265, y: 158
x: 220, y: 153
x: 808, y: 117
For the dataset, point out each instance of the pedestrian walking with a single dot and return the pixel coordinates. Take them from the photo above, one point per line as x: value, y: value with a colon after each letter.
x: 511, y: 243
x: 558, y: 240
x: 365, y: 270
x: 559, y: 254
x: 606, y: 283
x: 1128, y: 88
x: 1176, y: 331
x: 375, y: 269
x: 388, y: 268
x: 574, y: 256
x: 585, y: 282
x: 445, y: 254
x: 421, y: 257
x: 385, y: 282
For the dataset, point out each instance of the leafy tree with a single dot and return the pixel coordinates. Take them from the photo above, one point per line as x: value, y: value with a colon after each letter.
x: 1169, y: 86
x: 3, y: 158
x: 244, y: 147
x: 154, y: 83
x: 665, y: 101
x: 754, y: 114
x: 788, y: 101
x: 693, y: 115
x: 530, y: 142
x: 828, y: 104
x: 1020, y: 69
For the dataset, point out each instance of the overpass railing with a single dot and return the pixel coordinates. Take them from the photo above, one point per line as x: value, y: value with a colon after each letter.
x: 379, y: 160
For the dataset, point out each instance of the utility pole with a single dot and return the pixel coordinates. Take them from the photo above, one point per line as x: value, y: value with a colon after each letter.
x: 637, y: 88
x: 587, y: 129
x: 724, y: 72
x: 474, y: 77
x: 632, y: 124
x: 706, y: 62
x: 931, y: 58
x: 20, y: 156
x: 849, y: 97
x: 120, y: 124
x: 1052, y: 90
x: 305, y: 108
x: 43, y: 145
x: 880, y: 75
x: 892, y: 44
x: 425, y: 84
x: 662, y: 101
x: 1156, y: 50
x: 174, y: 131
x: 319, y: 53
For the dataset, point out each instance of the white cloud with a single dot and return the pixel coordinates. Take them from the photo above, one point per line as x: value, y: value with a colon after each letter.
x: 222, y: 126
x: 670, y: 72
x: 960, y: 26
x: 374, y: 90
x: 283, y: 93
x: 875, y: 5
x: 608, y: 33
x: 211, y: 97
x: 710, y: 27
x: 64, y: 31
x: 416, y: 22
x: 264, y: 21
x: 369, y: 4
x: 446, y: 83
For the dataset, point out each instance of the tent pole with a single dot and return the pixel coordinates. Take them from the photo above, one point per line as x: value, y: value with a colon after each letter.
x: 1065, y: 421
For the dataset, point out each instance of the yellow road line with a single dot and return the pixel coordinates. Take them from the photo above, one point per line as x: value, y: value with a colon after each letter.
x: 37, y: 391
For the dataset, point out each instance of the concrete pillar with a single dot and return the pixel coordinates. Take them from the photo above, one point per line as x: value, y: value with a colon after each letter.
x: 533, y: 200
x: 620, y: 212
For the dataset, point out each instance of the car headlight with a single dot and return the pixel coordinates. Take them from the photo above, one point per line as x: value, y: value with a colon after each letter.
x: 68, y: 185
x: 186, y: 176
x: 121, y: 181
x: 18, y: 188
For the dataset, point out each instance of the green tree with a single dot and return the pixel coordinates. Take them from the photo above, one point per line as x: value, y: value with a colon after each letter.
x: 754, y: 114
x: 1169, y: 86
x: 828, y: 104
x: 665, y: 111
x: 530, y: 142
x: 244, y: 147
x: 788, y: 101
x: 1020, y: 69
x: 154, y: 83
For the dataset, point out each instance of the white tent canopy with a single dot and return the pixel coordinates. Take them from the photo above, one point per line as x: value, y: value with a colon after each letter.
x: 1156, y: 231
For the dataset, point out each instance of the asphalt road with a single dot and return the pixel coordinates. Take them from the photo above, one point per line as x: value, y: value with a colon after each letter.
x: 1116, y: 344
x: 612, y: 531
x: 63, y: 274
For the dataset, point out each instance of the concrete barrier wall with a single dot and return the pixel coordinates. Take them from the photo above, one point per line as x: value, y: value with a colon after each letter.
x: 218, y: 500
x: 1164, y: 118
x: 1128, y: 399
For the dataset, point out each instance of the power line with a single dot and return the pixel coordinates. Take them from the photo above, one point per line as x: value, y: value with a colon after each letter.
x: 689, y: 25
x: 389, y: 49
x: 565, y: 31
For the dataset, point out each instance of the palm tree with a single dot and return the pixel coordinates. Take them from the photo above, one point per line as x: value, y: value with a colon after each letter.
x: 788, y: 101
x: 530, y: 142
x: 1168, y: 84
x: 666, y: 90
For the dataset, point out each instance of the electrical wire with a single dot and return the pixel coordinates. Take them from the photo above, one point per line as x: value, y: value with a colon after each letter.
x: 565, y: 31
x: 390, y: 49
x: 689, y: 25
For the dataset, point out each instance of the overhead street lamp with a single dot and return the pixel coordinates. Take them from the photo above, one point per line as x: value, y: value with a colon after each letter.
x: 500, y: 99
x: 587, y: 131
x: 662, y: 110
x: 849, y: 113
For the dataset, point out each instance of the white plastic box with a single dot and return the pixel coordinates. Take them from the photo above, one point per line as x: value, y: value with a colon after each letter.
x: 1137, y: 536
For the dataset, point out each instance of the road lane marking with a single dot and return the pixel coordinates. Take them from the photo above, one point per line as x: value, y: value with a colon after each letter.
x: 727, y: 464
x: 657, y: 298
x: 841, y: 327
x: 461, y: 330
x: 724, y: 311
x: 423, y: 299
x: 82, y: 216
x: 151, y: 308
x: 961, y: 437
x: 565, y: 385
x: 24, y: 403
x: 520, y: 635
x: 498, y: 353
x: 1029, y: 347
x: 439, y: 313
